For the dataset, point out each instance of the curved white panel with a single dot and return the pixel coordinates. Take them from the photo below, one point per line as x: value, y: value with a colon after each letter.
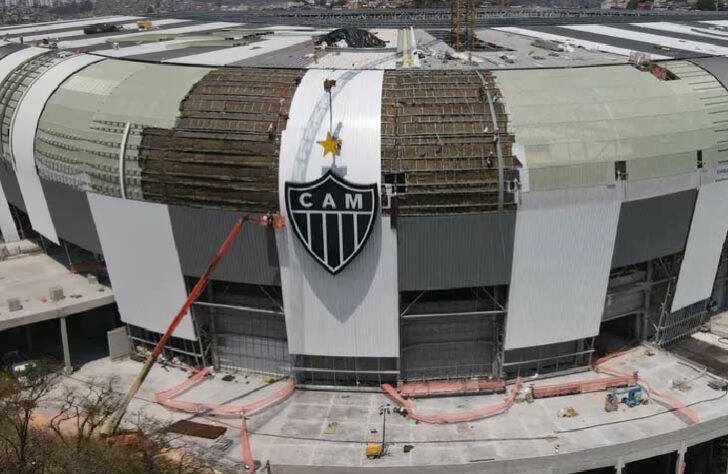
x: 355, y: 312
x: 705, y: 243
x: 560, y: 273
x: 22, y: 139
x: 141, y: 257
x: 13, y: 60
x: 7, y: 225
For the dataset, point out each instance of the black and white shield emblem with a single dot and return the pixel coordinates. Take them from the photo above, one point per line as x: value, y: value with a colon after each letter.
x: 332, y: 218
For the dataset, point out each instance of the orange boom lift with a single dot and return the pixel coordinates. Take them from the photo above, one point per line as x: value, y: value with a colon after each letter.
x: 272, y: 220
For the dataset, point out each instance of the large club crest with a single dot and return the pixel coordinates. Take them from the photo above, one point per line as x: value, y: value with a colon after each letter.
x: 332, y: 218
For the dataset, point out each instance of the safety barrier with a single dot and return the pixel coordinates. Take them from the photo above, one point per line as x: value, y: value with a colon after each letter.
x: 458, y: 417
x: 452, y: 387
x: 584, y: 386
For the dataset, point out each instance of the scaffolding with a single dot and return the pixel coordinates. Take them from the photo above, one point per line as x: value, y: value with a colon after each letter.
x: 445, y: 144
x: 452, y: 334
x: 223, y: 153
x: 243, y: 328
x: 462, y: 24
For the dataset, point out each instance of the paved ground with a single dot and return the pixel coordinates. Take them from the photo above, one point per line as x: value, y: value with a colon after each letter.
x: 330, y: 428
x: 29, y: 276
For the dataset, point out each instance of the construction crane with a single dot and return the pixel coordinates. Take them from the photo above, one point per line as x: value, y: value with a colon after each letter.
x: 462, y: 24
x: 112, y: 424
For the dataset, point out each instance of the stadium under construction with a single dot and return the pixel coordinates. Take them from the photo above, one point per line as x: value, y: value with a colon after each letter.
x: 450, y: 211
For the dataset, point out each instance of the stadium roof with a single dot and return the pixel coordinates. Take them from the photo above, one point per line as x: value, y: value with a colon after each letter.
x: 232, y: 43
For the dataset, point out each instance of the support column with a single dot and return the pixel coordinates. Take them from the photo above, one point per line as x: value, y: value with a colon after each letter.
x: 619, y: 466
x: 29, y: 340
x: 67, y: 367
x: 648, y: 293
x: 680, y: 463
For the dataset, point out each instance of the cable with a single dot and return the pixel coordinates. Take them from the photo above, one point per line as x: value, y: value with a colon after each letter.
x: 652, y: 415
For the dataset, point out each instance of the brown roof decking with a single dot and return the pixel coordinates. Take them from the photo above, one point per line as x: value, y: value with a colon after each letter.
x: 223, y: 152
x: 438, y: 142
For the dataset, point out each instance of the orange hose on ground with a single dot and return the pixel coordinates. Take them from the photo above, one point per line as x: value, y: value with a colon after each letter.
x: 245, y: 446
x: 458, y: 417
x: 165, y: 397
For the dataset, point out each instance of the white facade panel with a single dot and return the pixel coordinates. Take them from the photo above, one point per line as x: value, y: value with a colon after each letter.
x: 649, y: 188
x: 705, y: 242
x: 13, y: 60
x: 142, y: 260
x: 22, y: 139
x: 588, y: 45
x: 355, y: 312
x: 682, y: 29
x: 650, y: 38
x: 560, y: 273
x: 7, y: 225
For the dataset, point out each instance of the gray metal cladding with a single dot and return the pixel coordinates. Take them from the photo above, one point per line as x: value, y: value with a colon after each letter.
x: 456, y: 251
x: 198, y: 233
x: 652, y: 228
x: 717, y: 66
x: 71, y: 215
x: 11, y: 186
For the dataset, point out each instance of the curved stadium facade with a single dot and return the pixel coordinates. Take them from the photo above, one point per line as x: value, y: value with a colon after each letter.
x: 440, y: 223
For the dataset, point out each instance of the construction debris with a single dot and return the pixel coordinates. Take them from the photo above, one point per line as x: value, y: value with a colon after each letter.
x: 331, y: 428
x: 374, y: 450
x: 222, y: 445
x: 198, y: 430
x: 350, y: 38
x: 720, y: 385
x: 568, y: 412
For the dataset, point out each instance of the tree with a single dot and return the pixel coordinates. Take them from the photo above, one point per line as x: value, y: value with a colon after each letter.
x: 67, y: 442
x: 19, y: 398
x: 86, y: 409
